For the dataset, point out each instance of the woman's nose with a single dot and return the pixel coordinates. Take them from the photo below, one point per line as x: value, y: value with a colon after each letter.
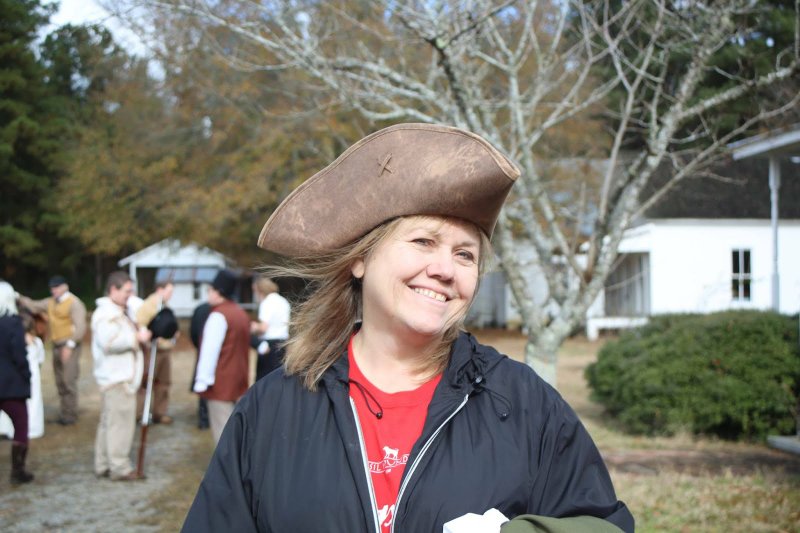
x: 441, y: 267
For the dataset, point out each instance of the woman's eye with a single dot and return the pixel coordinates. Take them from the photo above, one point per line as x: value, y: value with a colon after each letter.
x: 422, y: 241
x: 465, y: 255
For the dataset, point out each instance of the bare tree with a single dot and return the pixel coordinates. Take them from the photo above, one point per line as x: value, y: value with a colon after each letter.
x: 516, y: 72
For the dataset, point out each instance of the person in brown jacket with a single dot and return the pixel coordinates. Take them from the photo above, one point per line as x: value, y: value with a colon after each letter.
x: 223, y: 366
x: 66, y: 320
x: 162, y: 376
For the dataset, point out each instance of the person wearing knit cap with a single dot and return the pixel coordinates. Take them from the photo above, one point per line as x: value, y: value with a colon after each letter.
x: 66, y: 321
x: 386, y: 415
x: 223, y: 364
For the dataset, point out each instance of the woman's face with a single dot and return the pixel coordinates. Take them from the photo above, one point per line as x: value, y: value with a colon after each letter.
x: 421, y: 277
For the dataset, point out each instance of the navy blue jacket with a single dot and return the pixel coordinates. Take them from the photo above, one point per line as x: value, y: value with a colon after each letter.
x: 15, y: 374
x: 496, y: 435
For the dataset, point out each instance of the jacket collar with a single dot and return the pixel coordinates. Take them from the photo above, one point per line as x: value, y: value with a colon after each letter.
x: 469, y: 364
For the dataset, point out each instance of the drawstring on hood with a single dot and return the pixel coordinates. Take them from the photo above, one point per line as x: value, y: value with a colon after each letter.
x: 505, y: 409
x: 367, y: 397
x: 478, y: 382
x: 475, y: 371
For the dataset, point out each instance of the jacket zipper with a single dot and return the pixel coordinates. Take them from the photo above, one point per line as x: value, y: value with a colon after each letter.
x: 419, y: 457
x: 364, y: 460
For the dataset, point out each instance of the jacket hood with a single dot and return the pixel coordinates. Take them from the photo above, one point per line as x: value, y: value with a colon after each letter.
x: 470, y: 361
x: 106, y: 307
x: 472, y: 369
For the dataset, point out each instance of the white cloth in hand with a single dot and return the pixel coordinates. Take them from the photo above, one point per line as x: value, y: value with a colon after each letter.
x: 488, y: 522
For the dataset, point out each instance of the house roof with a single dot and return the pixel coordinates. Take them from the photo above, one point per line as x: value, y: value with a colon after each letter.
x: 782, y: 141
x: 170, y: 252
x: 742, y: 191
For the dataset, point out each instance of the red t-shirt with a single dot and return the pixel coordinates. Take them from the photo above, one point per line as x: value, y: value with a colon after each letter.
x: 388, y: 439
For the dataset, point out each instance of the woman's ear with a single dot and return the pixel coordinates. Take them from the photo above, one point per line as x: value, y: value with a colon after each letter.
x: 357, y: 268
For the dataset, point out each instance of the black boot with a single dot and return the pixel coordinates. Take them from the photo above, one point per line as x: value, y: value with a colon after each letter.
x: 202, y: 414
x: 18, y: 473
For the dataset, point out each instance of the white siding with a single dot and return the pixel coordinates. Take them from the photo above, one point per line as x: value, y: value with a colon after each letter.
x: 690, y: 264
x: 169, y: 253
x: 691, y: 267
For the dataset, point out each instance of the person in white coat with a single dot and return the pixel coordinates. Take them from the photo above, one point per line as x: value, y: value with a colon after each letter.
x: 118, y: 367
x: 35, y: 348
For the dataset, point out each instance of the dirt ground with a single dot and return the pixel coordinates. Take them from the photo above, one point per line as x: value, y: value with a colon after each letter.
x: 66, y: 496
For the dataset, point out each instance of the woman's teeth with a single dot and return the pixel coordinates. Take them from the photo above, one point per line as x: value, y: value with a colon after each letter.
x: 431, y: 294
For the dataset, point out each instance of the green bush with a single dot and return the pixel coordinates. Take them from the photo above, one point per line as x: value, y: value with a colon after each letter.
x: 735, y: 374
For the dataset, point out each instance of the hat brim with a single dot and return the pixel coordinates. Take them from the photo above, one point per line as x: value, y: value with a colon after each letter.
x: 406, y: 169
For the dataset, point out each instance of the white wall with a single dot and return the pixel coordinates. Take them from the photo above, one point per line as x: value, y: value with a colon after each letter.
x: 183, y: 302
x: 690, y: 264
x: 169, y: 253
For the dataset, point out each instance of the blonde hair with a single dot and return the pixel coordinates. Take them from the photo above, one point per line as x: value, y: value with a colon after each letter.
x: 265, y: 285
x: 323, y: 322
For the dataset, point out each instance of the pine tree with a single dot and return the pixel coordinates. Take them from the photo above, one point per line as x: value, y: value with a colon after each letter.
x: 27, y: 145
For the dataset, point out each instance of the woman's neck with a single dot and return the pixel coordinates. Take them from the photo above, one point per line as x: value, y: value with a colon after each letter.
x: 390, y: 363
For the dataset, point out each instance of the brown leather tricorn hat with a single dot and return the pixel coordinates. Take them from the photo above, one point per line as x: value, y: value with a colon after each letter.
x: 405, y: 169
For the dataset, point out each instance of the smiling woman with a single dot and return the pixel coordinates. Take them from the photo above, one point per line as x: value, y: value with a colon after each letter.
x: 416, y: 287
x: 387, y: 416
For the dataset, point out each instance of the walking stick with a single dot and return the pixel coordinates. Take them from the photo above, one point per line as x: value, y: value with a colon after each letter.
x: 146, y: 411
x: 151, y: 370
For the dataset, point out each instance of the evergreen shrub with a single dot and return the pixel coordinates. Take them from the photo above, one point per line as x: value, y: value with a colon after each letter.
x: 735, y: 374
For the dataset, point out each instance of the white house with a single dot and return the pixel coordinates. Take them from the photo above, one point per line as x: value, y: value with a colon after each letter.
x: 190, y: 267
x: 710, y: 245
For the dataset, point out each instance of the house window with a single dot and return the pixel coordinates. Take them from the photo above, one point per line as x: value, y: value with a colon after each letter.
x: 196, y: 294
x: 742, y: 275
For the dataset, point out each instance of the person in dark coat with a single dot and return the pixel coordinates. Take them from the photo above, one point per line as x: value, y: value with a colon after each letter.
x: 199, y: 317
x: 387, y: 416
x: 15, y: 380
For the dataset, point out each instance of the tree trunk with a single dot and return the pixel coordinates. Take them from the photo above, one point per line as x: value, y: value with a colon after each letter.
x: 541, y: 354
x: 98, y: 273
x: 797, y: 418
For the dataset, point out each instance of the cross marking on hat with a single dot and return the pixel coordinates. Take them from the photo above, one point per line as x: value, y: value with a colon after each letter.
x: 385, y: 165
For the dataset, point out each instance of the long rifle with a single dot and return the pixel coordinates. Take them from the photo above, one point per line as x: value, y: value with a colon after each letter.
x: 151, y: 370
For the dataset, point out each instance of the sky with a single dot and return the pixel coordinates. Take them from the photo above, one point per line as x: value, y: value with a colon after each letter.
x: 88, y: 12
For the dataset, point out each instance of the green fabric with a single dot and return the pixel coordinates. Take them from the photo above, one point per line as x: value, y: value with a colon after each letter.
x: 528, y: 523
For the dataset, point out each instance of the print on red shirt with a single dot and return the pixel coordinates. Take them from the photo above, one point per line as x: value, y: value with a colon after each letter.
x: 390, y: 438
x: 391, y: 459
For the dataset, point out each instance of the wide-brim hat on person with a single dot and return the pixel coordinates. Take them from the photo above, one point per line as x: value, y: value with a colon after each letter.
x: 225, y: 283
x: 405, y: 169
